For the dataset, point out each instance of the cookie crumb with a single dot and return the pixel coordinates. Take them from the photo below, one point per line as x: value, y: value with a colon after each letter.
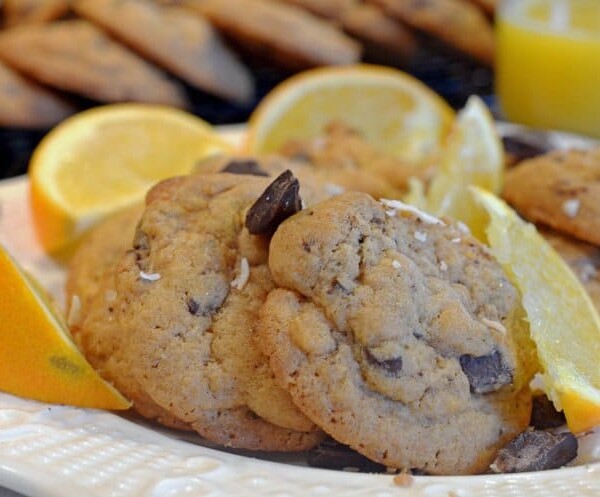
x: 149, y: 276
x: 494, y: 325
x: 240, y: 282
x: 396, y: 205
x: 421, y: 236
x: 404, y: 480
x: 74, y: 316
x: 571, y: 207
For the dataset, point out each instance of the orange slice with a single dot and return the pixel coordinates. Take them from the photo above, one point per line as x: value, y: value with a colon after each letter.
x: 395, y: 112
x: 563, y: 321
x: 38, y: 359
x: 105, y: 159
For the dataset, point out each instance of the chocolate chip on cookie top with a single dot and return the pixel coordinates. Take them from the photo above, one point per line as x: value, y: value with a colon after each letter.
x: 393, y: 332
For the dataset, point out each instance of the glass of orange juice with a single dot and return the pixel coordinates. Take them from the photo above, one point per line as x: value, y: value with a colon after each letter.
x: 548, y: 63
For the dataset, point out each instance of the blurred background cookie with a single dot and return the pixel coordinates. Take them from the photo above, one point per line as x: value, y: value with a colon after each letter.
x: 183, y: 44
x: 33, y: 11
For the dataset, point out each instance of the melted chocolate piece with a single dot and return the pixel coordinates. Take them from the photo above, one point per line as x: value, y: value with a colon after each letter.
x: 485, y: 373
x: 390, y: 366
x: 244, y: 167
x: 536, y: 451
x: 544, y: 415
x: 333, y: 455
x: 279, y: 201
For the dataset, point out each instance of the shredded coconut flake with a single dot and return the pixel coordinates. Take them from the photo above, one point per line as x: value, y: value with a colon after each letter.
x: 242, y: 278
x: 494, y: 325
x: 587, y: 272
x: 463, y: 228
x: 421, y: 236
x: 396, y: 264
x: 149, y: 276
x: 443, y: 266
x: 74, y: 316
x: 571, y: 207
x: 333, y: 189
x: 456, y: 240
x: 396, y: 205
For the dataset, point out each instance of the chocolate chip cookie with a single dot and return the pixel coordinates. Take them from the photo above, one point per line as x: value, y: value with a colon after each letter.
x: 561, y: 190
x: 282, y: 33
x: 183, y: 44
x: 92, y: 300
x: 342, y: 156
x: 77, y: 57
x: 189, y: 294
x: 456, y: 22
x: 26, y: 104
x: 397, y: 334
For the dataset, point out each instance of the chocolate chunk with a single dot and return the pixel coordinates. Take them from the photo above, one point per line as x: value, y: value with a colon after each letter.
x: 536, y: 451
x: 486, y: 373
x: 244, y: 167
x: 544, y: 415
x: 517, y: 149
x: 390, y: 366
x: 279, y: 201
x: 333, y: 455
x: 193, y: 306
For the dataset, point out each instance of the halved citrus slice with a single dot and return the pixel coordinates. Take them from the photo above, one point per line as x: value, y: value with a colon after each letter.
x: 104, y: 159
x: 396, y: 112
x: 38, y: 359
x: 473, y: 155
x: 564, y: 323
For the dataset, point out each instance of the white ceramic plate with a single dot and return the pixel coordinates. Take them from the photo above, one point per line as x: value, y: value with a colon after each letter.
x: 57, y: 451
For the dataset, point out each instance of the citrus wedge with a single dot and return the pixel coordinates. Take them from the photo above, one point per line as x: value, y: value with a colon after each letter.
x: 564, y: 323
x: 38, y: 360
x: 104, y: 159
x: 473, y: 155
x: 395, y: 112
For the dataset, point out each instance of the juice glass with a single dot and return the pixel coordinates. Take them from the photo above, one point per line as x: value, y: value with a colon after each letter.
x: 548, y: 63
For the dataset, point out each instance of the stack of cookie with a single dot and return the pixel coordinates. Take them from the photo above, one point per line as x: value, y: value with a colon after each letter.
x: 256, y: 304
x: 117, y: 51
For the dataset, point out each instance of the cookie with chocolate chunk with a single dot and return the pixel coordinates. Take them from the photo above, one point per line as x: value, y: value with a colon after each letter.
x: 17, y: 12
x: 77, y: 57
x: 397, y: 334
x: 92, y: 301
x: 188, y: 299
x: 282, y: 33
x: 342, y: 156
x: 26, y: 104
x: 456, y: 22
x: 183, y: 44
x: 561, y: 190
